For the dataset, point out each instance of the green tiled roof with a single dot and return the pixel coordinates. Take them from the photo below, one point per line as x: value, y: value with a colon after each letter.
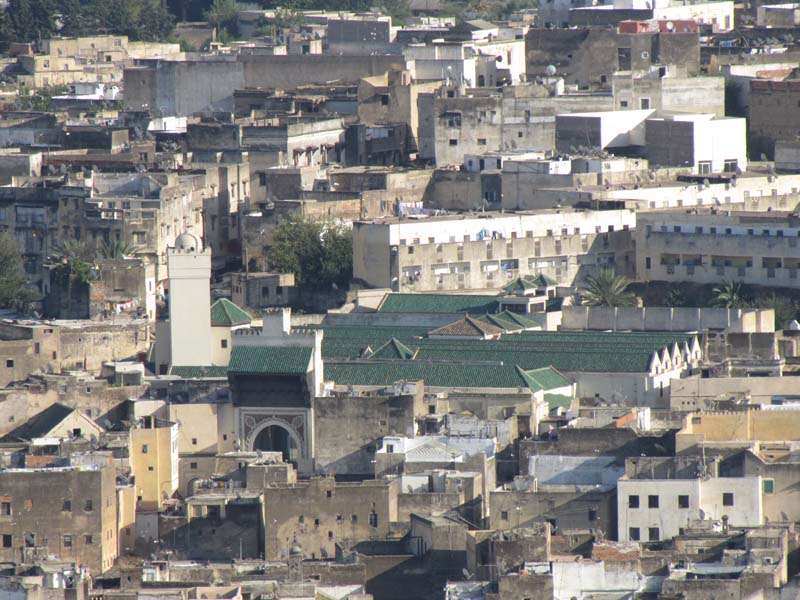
x: 467, y: 327
x: 510, y: 321
x: 393, y: 349
x: 351, y: 342
x: 439, y: 303
x: 465, y: 375
x: 225, y: 312
x: 527, y: 282
x: 282, y: 360
x: 565, y: 351
x: 548, y: 378
x: 543, y: 280
x: 199, y: 372
x: 557, y: 401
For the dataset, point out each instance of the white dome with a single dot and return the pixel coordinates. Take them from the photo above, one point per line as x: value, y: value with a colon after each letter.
x: 188, y: 242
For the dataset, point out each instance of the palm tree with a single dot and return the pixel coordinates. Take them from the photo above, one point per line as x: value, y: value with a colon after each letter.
x: 115, y: 250
x: 608, y: 289
x: 74, y: 265
x: 730, y: 294
x: 675, y: 298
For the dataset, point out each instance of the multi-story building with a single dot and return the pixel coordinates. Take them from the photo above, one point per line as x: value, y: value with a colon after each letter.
x: 320, y: 513
x: 67, y: 511
x: 703, y: 142
x: 774, y: 114
x: 148, y: 211
x: 709, y: 246
x: 143, y: 211
x: 668, y: 88
x: 392, y: 98
x: 657, y: 498
x: 456, y: 121
x: 86, y: 59
x: 589, y: 56
x: 154, y: 462
x: 476, y: 63
x: 491, y: 249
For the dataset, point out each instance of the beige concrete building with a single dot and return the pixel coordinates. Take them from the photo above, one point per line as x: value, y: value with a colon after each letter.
x: 709, y: 246
x: 154, y: 462
x: 757, y: 424
x: 392, y: 98
x: 491, y: 249
x: 28, y: 347
x: 87, y: 59
x: 667, y: 88
x: 319, y: 513
x: 69, y: 512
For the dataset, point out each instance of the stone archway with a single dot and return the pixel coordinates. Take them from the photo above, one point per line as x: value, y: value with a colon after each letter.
x: 275, y: 435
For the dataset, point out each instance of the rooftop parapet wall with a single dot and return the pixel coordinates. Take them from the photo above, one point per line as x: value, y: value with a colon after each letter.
x: 666, y: 319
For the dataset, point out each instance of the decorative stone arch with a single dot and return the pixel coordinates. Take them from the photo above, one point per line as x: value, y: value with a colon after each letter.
x: 268, y: 422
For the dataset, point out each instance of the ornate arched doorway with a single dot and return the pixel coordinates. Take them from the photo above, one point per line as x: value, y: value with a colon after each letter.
x: 277, y: 436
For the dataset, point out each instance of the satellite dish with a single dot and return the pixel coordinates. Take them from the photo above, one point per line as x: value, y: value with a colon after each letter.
x: 467, y: 575
x: 550, y: 70
x: 670, y: 26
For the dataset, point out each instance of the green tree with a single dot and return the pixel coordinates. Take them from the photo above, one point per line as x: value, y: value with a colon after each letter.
x: 730, y: 294
x: 116, y: 250
x: 14, y: 289
x: 399, y: 10
x: 675, y: 297
x: 223, y: 14
x: 31, y: 20
x: 154, y: 22
x: 319, y: 254
x: 608, y: 289
x: 74, y: 262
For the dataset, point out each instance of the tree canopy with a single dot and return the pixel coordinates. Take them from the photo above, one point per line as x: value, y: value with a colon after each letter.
x: 731, y: 294
x: 223, y: 14
x: 32, y: 20
x: 608, y: 289
x: 319, y: 254
x: 14, y: 289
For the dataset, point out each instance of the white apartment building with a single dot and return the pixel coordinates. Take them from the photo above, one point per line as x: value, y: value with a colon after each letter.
x: 651, y: 510
x: 489, y: 250
x: 709, y: 246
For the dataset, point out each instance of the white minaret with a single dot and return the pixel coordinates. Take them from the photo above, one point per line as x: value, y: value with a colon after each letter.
x: 189, y: 272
